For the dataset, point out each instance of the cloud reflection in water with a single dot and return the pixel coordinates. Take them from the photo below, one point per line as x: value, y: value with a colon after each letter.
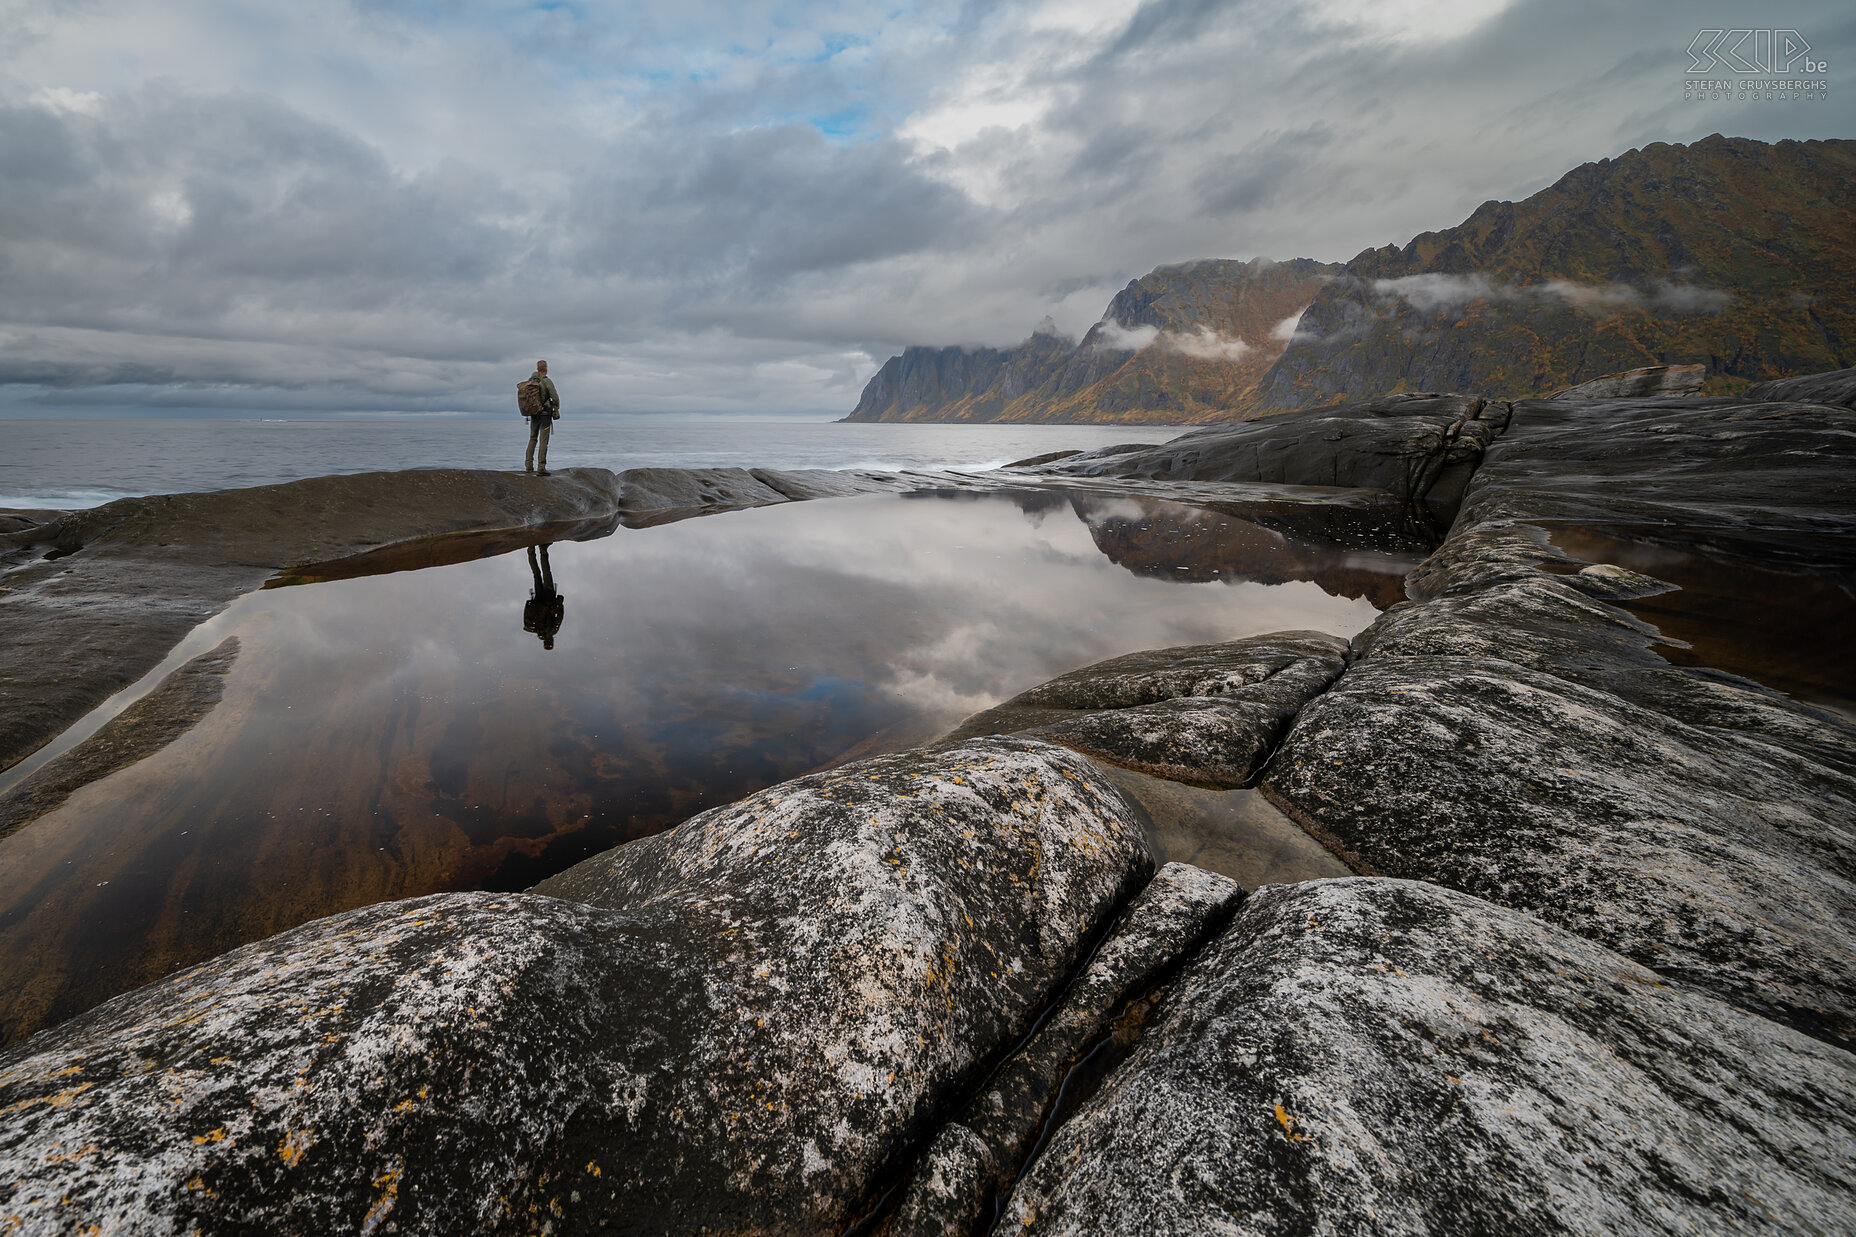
x: 396, y: 735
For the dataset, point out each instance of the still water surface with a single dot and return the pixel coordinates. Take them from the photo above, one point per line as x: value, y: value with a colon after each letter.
x: 396, y: 735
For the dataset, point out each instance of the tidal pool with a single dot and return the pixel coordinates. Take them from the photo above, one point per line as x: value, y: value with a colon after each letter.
x: 1738, y: 605
x: 457, y: 727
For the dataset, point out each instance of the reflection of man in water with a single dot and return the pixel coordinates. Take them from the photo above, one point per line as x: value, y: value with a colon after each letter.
x: 545, y: 608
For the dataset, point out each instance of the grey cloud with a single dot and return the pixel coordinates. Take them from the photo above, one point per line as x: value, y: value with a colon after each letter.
x: 423, y: 193
x: 1265, y: 173
x: 766, y: 203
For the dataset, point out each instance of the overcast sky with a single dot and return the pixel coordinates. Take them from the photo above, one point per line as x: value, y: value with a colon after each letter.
x: 395, y: 205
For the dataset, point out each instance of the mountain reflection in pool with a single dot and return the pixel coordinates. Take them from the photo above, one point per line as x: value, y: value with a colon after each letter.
x: 401, y: 734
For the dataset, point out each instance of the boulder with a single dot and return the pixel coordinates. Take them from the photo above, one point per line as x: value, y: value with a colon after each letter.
x: 1649, y: 380
x: 1376, y: 1056
x: 738, y: 1026
x: 1416, y: 447
x: 973, y: 1160
x: 1207, y: 714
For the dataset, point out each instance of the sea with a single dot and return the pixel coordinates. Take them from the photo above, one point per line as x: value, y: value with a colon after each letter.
x: 73, y: 463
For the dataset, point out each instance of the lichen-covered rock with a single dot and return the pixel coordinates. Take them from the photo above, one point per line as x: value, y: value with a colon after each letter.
x: 737, y: 1026
x: 1207, y: 713
x: 1706, y: 857
x: 974, y: 1158
x: 1514, y: 734
x: 1373, y: 1056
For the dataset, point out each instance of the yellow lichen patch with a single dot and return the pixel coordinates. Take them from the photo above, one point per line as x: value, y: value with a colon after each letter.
x: 220, y: 1061
x: 211, y: 1136
x: 292, y: 1146
x: 388, y: 1183
x: 65, y: 1157
x: 592, y: 1168
x: 55, y: 1101
x: 1289, y: 1121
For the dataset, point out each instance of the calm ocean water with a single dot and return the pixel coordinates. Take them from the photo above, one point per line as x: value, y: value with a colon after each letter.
x: 82, y: 463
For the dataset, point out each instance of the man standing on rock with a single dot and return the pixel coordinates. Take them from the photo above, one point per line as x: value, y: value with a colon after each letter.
x: 541, y: 424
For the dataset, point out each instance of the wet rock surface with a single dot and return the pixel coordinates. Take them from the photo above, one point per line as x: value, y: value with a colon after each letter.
x: 733, y: 1027
x: 1836, y: 387
x: 98, y: 597
x: 1772, y: 480
x: 1235, y: 833
x: 1392, y: 1057
x: 1515, y: 734
x: 976, y: 1157
x: 1207, y: 714
x: 1415, y: 447
x: 145, y: 727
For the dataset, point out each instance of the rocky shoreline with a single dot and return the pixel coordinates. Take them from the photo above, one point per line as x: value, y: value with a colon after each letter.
x: 1593, y: 973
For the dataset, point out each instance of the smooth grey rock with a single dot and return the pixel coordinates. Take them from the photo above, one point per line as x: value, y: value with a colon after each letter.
x: 1835, y: 387
x: 802, y: 484
x: 1372, y: 1056
x: 1417, y: 447
x: 1513, y: 734
x: 1556, y: 623
x: 1779, y: 476
x: 976, y: 1157
x: 1207, y: 714
x: 733, y: 1027
x: 1716, y: 853
x: 653, y: 495
x: 1646, y: 381
x: 1205, y: 740
x: 1153, y: 675
x: 1609, y: 582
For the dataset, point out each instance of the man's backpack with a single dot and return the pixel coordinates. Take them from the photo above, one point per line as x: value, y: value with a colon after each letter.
x: 531, y: 399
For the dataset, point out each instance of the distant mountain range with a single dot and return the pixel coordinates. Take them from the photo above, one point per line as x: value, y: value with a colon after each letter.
x: 1730, y: 253
x: 1181, y: 343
